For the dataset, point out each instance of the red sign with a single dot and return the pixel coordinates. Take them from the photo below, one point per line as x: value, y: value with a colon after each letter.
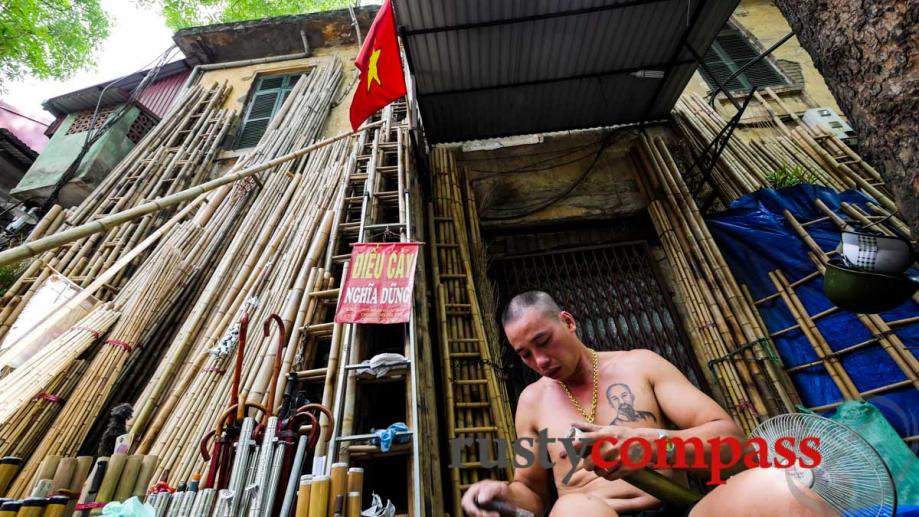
x: 378, y: 288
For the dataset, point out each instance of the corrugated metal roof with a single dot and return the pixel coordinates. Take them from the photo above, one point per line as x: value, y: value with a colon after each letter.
x: 86, y: 98
x: 491, y: 68
x: 16, y: 148
x: 159, y: 96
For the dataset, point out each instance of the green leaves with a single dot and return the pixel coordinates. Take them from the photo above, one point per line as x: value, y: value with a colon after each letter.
x: 189, y: 13
x: 789, y: 176
x: 55, y: 38
x: 49, y: 38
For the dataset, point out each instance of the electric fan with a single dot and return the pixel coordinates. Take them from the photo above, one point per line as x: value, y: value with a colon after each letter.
x: 851, y: 476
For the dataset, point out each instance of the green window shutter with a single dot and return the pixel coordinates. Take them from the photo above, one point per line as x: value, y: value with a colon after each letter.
x: 268, y: 97
x: 729, y: 52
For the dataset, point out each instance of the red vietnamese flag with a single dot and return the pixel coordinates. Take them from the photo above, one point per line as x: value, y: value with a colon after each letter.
x: 381, y: 80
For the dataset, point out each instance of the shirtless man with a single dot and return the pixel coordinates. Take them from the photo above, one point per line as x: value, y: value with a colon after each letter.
x: 637, y: 394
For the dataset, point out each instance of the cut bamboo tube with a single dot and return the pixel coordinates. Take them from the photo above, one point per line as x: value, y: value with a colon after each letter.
x: 353, y: 504
x: 304, y: 490
x: 319, y: 496
x: 56, y: 506
x: 113, y: 474
x: 128, y: 478
x: 144, y: 476
x: 355, y: 479
x: 9, y: 466
x: 339, y: 483
x: 63, y: 474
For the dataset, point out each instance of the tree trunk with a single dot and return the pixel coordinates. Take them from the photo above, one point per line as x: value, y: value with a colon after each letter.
x: 868, y: 53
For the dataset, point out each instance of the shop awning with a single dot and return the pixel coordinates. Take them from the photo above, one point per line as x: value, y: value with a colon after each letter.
x: 493, y: 68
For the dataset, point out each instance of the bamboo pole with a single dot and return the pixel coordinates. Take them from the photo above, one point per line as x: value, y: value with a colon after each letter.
x: 30, y: 249
x: 815, y: 338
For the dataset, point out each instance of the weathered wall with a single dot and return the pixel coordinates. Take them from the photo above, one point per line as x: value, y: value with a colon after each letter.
x: 763, y: 20
x: 51, y: 164
x: 241, y: 79
x: 513, y: 180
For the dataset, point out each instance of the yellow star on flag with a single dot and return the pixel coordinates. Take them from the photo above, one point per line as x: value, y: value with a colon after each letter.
x: 372, y: 72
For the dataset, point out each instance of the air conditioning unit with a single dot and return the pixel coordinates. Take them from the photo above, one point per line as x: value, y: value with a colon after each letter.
x: 831, y: 121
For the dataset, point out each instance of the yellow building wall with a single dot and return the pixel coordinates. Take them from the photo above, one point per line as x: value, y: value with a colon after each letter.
x: 241, y: 80
x: 763, y: 20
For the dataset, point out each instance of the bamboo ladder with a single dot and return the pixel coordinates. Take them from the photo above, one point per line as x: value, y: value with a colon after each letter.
x: 374, y: 201
x: 474, y: 408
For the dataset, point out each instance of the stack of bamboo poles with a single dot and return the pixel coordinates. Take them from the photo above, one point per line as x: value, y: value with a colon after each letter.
x: 724, y: 327
x: 474, y: 405
x: 175, y: 154
x: 180, y: 241
x: 81, y: 480
x: 288, y: 247
x: 48, y: 366
x: 144, y: 301
x: 37, y: 391
x: 744, y: 167
x: 268, y: 267
x: 20, y: 434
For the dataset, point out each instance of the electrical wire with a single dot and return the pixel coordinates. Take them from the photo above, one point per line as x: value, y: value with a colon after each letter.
x: 536, y: 207
x: 514, y: 156
x: 539, y: 165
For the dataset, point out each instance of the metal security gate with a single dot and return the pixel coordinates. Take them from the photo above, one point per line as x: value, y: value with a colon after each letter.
x: 614, y: 293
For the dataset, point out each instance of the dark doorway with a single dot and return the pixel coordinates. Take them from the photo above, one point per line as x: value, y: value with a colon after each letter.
x: 615, y: 293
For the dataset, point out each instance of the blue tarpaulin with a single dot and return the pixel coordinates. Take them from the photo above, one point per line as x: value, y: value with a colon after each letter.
x: 755, y: 238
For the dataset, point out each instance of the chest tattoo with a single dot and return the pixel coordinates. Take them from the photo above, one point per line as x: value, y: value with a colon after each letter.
x: 622, y: 399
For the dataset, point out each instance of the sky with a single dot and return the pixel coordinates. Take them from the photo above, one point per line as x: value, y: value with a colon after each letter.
x: 137, y: 37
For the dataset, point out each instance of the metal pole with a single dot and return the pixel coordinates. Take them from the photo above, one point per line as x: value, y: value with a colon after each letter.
x: 294, y: 476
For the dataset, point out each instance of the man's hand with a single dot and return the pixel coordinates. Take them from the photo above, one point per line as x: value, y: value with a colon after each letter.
x: 610, y: 440
x: 484, y: 491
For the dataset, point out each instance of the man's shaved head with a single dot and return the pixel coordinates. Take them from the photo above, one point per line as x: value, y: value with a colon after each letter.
x: 538, y: 300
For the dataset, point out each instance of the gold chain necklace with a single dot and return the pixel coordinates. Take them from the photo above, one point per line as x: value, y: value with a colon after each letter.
x: 595, y: 369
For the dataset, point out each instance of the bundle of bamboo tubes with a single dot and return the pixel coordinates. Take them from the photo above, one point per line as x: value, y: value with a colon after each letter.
x: 43, y: 368
x: 745, y: 166
x: 20, y: 434
x: 259, y: 247
x: 724, y: 327
x: 267, y: 268
x: 143, y: 302
x: 175, y: 154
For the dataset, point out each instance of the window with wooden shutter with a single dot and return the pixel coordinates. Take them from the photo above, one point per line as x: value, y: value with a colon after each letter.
x: 268, y: 95
x: 729, y: 52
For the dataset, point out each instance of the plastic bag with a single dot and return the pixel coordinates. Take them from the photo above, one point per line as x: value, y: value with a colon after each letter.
x: 130, y: 508
x: 865, y: 419
x: 378, y: 510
